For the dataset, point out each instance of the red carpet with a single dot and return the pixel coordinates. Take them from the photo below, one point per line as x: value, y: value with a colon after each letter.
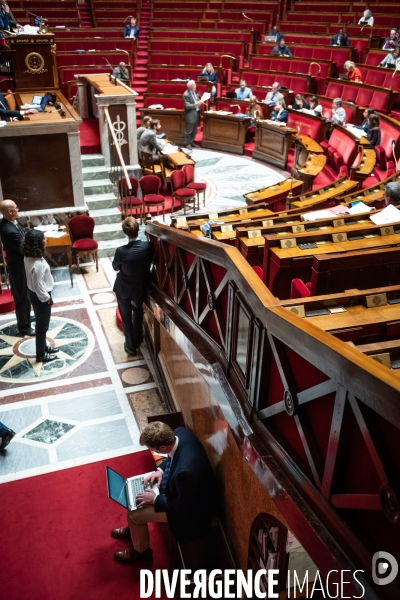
x: 56, y: 542
x: 89, y: 136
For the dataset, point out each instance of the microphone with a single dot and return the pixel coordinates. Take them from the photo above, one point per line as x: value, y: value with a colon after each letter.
x: 248, y: 18
x: 108, y: 62
x: 394, y: 155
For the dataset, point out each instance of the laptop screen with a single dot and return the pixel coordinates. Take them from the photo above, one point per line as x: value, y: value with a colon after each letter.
x: 37, y: 100
x: 116, y: 487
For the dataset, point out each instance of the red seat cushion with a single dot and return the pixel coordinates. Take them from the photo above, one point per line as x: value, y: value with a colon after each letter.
x: 197, y: 186
x: 154, y: 199
x: 132, y: 201
x: 85, y: 244
x: 7, y: 303
x: 185, y: 193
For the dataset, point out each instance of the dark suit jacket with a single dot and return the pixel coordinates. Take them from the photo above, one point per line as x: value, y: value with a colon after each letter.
x: 191, y: 112
x: 128, y: 29
x: 12, y: 239
x: 5, y: 20
x: 133, y: 262
x: 190, y: 498
x: 5, y: 112
x: 343, y: 42
x: 282, y: 116
x: 285, y: 51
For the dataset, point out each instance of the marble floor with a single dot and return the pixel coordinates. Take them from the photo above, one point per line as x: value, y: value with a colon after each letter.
x: 89, y: 404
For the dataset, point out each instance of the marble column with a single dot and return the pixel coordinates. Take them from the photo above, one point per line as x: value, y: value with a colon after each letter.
x: 76, y: 168
x: 82, y: 95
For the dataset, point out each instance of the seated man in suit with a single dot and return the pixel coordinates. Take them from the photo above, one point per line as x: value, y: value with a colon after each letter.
x: 340, y: 39
x: 274, y: 95
x: 283, y: 49
x: 187, y: 498
x: 121, y: 72
x: 280, y: 113
x: 131, y: 30
x: 276, y: 34
x: 149, y: 141
x: 6, y: 114
x: 243, y: 92
x: 133, y: 263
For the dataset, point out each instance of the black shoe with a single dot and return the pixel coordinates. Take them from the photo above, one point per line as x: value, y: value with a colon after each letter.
x: 30, y: 332
x: 46, y: 358
x: 6, y: 439
x: 130, y: 352
x: 50, y: 350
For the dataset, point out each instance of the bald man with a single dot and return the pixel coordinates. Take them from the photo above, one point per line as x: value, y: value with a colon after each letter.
x: 12, y: 234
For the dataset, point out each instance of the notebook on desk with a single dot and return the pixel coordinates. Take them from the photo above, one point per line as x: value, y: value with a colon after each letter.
x: 124, y: 491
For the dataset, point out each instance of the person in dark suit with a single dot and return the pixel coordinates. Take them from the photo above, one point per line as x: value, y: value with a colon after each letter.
x: 12, y: 235
x: 276, y: 34
x: 191, y: 103
x: 133, y: 262
x: 131, y: 30
x: 187, y: 498
x: 340, y: 39
x: 6, y: 21
x: 6, y: 113
x: 280, y: 113
x: 283, y: 49
x: 149, y: 142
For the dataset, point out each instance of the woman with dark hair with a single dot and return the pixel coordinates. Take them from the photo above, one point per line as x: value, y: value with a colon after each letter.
x: 299, y: 103
x: 365, y: 124
x: 40, y: 284
x: 315, y: 107
x: 374, y: 133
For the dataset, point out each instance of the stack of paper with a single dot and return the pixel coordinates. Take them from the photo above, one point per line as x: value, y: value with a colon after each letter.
x: 390, y: 214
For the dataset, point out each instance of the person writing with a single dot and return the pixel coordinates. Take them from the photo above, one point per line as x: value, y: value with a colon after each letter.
x: 339, y: 39
x: 283, y: 49
x: 191, y: 103
x: 40, y: 284
x: 121, y: 72
x: 243, y: 92
x: 274, y: 95
x: 133, y: 263
x: 353, y: 72
x: 374, y: 133
x: 131, y: 30
x: 209, y: 72
x: 188, y: 495
x: 149, y: 142
x: 12, y: 234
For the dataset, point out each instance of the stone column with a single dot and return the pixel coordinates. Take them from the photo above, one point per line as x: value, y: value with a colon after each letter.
x: 76, y: 168
x: 82, y: 95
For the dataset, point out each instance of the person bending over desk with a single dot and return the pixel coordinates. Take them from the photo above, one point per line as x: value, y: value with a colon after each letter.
x: 280, y: 113
x: 352, y: 71
x: 188, y: 495
x: 283, y: 49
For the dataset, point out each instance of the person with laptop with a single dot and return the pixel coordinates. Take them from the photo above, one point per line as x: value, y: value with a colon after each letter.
x: 132, y: 263
x: 187, y: 497
x: 282, y: 49
x: 275, y: 34
x: 6, y: 114
x: 366, y: 19
x: 209, y: 73
x: 391, y: 60
x: 243, y: 92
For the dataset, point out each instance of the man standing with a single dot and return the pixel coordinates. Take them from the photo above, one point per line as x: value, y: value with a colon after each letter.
x: 12, y: 234
x: 131, y: 30
x: 187, y: 498
x: 191, y: 104
x: 133, y: 262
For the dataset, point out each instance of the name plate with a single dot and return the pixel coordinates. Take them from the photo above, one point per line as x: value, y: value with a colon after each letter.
x: 243, y: 211
x: 298, y: 229
x: 375, y: 300
x: 213, y: 216
x: 387, y: 230
x: 339, y: 237
x: 180, y: 221
x: 338, y: 223
x: 383, y: 358
x: 255, y: 233
x: 268, y: 223
x: 297, y: 310
x: 226, y: 228
x: 289, y: 243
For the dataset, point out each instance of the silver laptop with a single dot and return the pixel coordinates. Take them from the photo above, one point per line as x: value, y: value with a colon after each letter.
x: 269, y: 38
x: 124, y: 491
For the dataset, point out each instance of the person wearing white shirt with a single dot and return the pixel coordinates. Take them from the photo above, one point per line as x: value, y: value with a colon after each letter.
x: 338, y: 112
x: 367, y: 18
x: 40, y: 285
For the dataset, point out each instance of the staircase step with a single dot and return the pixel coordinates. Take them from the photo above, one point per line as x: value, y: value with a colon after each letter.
x: 101, y: 201
x: 108, y: 248
x: 98, y: 186
x: 96, y: 172
x: 109, y: 232
x: 104, y: 216
x: 92, y: 160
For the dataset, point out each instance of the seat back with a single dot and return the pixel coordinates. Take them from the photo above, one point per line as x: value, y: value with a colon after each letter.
x: 189, y: 173
x: 123, y: 188
x: 150, y: 184
x: 177, y: 180
x: 147, y: 161
x: 81, y: 227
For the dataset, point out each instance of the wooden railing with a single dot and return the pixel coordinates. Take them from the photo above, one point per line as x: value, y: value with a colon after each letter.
x: 323, y: 418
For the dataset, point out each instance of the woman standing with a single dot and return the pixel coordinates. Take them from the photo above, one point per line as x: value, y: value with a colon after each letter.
x: 212, y: 77
x: 40, y: 284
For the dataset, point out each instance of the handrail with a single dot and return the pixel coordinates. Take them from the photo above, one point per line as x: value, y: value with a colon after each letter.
x: 117, y: 148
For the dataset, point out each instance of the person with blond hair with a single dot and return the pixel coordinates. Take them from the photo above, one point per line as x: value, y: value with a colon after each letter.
x: 187, y: 498
x: 209, y: 72
x: 353, y: 72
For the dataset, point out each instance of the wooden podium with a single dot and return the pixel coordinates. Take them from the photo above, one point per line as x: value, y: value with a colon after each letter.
x: 34, y: 62
x: 273, y: 143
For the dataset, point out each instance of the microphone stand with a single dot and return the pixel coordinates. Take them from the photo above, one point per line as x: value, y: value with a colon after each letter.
x: 43, y: 27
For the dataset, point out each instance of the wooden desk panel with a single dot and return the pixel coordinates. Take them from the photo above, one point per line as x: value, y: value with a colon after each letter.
x: 173, y: 122
x: 273, y: 143
x: 226, y: 133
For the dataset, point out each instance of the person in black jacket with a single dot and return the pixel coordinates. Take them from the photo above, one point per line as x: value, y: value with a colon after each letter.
x: 187, y: 498
x: 374, y: 133
x: 280, y: 113
x: 131, y: 30
x: 6, y: 113
x: 12, y: 234
x: 340, y: 39
x: 133, y: 263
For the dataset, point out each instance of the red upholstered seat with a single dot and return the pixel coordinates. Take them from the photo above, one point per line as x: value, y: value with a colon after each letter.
x: 132, y: 201
x: 185, y: 193
x: 129, y: 199
x: 259, y: 272
x: 150, y: 185
x: 154, y: 198
x: 194, y: 185
x: 299, y: 290
x: 81, y: 229
x: 178, y: 183
x: 7, y: 303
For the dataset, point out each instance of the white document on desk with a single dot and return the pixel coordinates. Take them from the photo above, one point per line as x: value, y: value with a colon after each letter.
x: 54, y: 234
x: 169, y: 149
x: 390, y: 214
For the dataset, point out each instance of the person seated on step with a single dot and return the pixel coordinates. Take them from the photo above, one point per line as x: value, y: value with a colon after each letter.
x: 121, y: 72
x: 131, y: 30
x: 6, y: 435
x: 149, y: 141
x: 187, y: 498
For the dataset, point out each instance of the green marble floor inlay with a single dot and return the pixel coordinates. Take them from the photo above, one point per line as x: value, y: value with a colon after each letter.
x: 48, y: 431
